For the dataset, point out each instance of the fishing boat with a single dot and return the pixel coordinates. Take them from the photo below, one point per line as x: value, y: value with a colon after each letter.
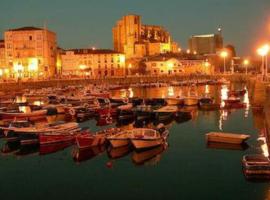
x: 142, y: 138
x: 88, y: 140
x: 230, y: 138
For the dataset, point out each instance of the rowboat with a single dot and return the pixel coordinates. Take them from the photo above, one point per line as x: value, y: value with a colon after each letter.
x: 11, y: 115
x: 226, y: 137
x: 172, y: 101
x: 45, y: 139
x: 256, y: 166
x: 147, y: 138
x: 29, y: 135
x: 54, y: 147
x: 119, y: 140
x: 88, y: 140
x: 165, y: 112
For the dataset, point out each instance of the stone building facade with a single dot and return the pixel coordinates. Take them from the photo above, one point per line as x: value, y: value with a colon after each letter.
x: 30, y: 52
x: 134, y: 39
x: 94, y: 63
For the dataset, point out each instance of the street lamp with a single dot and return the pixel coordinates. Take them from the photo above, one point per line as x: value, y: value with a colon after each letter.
x: 263, y: 52
x: 224, y: 55
x: 246, y: 63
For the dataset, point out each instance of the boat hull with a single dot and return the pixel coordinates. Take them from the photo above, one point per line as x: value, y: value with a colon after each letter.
x: 145, y: 144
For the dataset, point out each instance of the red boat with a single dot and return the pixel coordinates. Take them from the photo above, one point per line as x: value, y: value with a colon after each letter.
x: 55, y: 138
x: 89, y: 140
x: 52, y: 148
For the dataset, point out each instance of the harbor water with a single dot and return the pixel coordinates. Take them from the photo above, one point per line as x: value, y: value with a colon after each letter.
x: 184, y: 168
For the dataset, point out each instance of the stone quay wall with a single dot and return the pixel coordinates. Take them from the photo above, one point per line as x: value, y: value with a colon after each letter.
x: 17, y: 86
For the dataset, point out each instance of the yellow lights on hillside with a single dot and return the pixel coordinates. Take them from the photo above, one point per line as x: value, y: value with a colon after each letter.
x: 1, y: 72
x: 188, y: 51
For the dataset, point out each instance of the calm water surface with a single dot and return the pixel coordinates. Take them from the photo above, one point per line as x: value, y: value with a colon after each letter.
x: 185, y: 169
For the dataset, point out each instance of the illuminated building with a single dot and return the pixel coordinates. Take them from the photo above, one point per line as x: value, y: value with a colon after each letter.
x: 2, y: 59
x: 206, y: 44
x: 176, y: 66
x: 134, y: 39
x: 30, y: 52
x: 96, y: 63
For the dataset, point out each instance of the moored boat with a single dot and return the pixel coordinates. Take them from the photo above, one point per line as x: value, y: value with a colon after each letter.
x: 230, y: 138
x: 88, y: 140
x: 147, y: 138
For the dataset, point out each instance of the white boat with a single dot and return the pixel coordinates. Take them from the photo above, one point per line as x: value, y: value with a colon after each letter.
x: 119, y: 140
x: 147, y: 138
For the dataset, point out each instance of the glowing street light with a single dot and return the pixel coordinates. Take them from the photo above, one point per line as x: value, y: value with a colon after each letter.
x: 263, y: 52
x: 246, y: 63
x: 224, y: 55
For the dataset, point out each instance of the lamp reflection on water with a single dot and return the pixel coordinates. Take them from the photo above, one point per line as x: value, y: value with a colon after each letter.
x: 207, y: 90
x: 130, y: 93
x: 246, y: 101
x: 170, y: 91
x: 223, y: 113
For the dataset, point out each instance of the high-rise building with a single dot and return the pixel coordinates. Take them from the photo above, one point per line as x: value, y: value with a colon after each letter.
x: 30, y: 52
x: 206, y: 44
x: 134, y: 39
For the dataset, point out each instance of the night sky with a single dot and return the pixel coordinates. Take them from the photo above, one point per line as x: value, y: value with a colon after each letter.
x: 87, y: 23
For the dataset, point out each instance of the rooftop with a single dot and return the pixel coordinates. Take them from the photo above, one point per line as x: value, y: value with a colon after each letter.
x: 26, y: 28
x: 93, y: 51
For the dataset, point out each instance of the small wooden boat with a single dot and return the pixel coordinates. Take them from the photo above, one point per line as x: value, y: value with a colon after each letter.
x: 208, y: 103
x: 88, y: 140
x: 256, y: 167
x: 54, y: 147
x: 11, y: 115
x: 45, y: 139
x: 119, y: 140
x: 172, y: 101
x: 226, y: 137
x: 81, y: 155
x: 142, y: 138
x: 165, y: 112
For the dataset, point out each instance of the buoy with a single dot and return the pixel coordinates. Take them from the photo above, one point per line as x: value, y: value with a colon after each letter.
x: 109, y: 164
